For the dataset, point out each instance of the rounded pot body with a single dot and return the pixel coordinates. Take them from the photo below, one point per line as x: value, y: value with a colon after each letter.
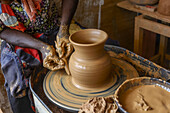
x: 90, y: 65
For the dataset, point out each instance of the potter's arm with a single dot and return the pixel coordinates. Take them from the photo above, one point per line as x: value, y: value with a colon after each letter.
x: 22, y: 39
x: 64, y: 49
x: 68, y: 9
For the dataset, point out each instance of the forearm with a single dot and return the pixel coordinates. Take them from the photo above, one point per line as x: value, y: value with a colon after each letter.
x: 21, y: 39
x: 50, y: 58
x: 68, y: 9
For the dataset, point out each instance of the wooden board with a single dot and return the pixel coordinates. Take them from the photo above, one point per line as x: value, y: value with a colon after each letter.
x: 127, y: 5
x: 118, y: 23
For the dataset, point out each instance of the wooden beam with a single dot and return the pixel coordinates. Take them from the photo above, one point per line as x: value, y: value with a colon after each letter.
x: 127, y: 5
x: 167, y: 56
x: 153, y: 26
x: 163, y: 48
x: 138, y: 38
x: 155, y: 58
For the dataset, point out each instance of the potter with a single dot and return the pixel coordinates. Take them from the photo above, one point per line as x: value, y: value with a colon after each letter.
x: 90, y: 65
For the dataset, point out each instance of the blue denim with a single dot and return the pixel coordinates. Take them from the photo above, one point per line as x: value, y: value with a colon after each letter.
x: 12, y: 70
x: 15, y: 82
x: 17, y: 75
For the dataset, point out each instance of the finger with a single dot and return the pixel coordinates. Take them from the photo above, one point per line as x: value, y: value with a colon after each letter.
x: 55, y: 60
x: 50, y: 68
x: 53, y: 66
x: 62, y: 50
x: 58, y: 39
x: 45, y: 61
x: 49, y: 61
x: 69, y: 50
x: 46, y: 65
x: 66, y: 66
x: 56, y: 45
x: 58, y: 67
x: 63, y: 44
x: 61, y: 62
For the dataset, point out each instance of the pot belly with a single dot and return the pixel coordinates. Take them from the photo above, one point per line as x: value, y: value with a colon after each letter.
x: 90, y: 73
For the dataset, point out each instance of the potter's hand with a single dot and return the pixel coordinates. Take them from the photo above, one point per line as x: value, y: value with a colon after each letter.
x: 63, y: 46
x: 61, y: 49
x: 50, y: 59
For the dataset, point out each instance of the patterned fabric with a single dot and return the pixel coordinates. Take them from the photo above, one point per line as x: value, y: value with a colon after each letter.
x: 46, y: 19
x: 31, y: 7
x: 9, y: 19
x: 18, y: 63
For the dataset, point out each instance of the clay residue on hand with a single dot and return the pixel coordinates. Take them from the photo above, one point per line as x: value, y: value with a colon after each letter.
x: 64, y: 50
x: 146, y: 99
x: 99, y: 105
x: 66, y: 65
x: 51, y: 60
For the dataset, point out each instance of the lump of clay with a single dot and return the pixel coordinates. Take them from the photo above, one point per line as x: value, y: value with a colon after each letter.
x: 99, y: 105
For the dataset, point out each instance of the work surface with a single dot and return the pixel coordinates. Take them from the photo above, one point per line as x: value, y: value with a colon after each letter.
x: 127, y: 5
x: 143, y: 66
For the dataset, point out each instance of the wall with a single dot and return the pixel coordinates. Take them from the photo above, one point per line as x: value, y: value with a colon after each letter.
x: 117, y: 22
x: 87, y: 13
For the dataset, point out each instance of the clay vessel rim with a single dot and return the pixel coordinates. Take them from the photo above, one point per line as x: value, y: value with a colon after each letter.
x: 93, y: 44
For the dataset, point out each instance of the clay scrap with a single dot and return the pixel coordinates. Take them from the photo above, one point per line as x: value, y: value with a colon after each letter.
x: 99, y: 105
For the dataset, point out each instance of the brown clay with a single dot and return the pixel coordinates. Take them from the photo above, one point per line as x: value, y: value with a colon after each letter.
x: 164, y: 7
x: 146, y: 98
x: 90, y: 65
x: 99, y: 105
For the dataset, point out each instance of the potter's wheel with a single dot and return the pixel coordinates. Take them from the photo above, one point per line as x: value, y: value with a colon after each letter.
x: 59, y: 89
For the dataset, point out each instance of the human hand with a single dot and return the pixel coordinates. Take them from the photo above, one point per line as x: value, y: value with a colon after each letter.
x: 51, y: 60
x: 63, y: 46
x: 64, y: 50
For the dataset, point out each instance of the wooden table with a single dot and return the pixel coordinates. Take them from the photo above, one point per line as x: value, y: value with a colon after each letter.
x: 127, y: 5
x: 142, y: 22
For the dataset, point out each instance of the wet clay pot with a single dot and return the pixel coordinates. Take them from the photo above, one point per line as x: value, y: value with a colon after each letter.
x: 90, y: 65
x: 164, y: 7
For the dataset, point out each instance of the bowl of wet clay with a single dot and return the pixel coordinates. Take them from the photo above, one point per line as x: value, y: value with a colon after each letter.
x: 143, y: 95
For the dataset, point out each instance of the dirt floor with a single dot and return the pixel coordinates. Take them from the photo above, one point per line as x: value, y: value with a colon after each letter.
x: 4, y: 103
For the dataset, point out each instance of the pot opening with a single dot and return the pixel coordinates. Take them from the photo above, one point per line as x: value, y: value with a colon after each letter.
x: 88, y: 37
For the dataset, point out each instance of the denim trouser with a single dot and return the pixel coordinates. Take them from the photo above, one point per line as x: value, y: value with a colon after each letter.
x: 17, y: 76
x: 15, y: 82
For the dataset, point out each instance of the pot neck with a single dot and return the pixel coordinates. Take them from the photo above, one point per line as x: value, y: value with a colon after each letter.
x: 89, y: 52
